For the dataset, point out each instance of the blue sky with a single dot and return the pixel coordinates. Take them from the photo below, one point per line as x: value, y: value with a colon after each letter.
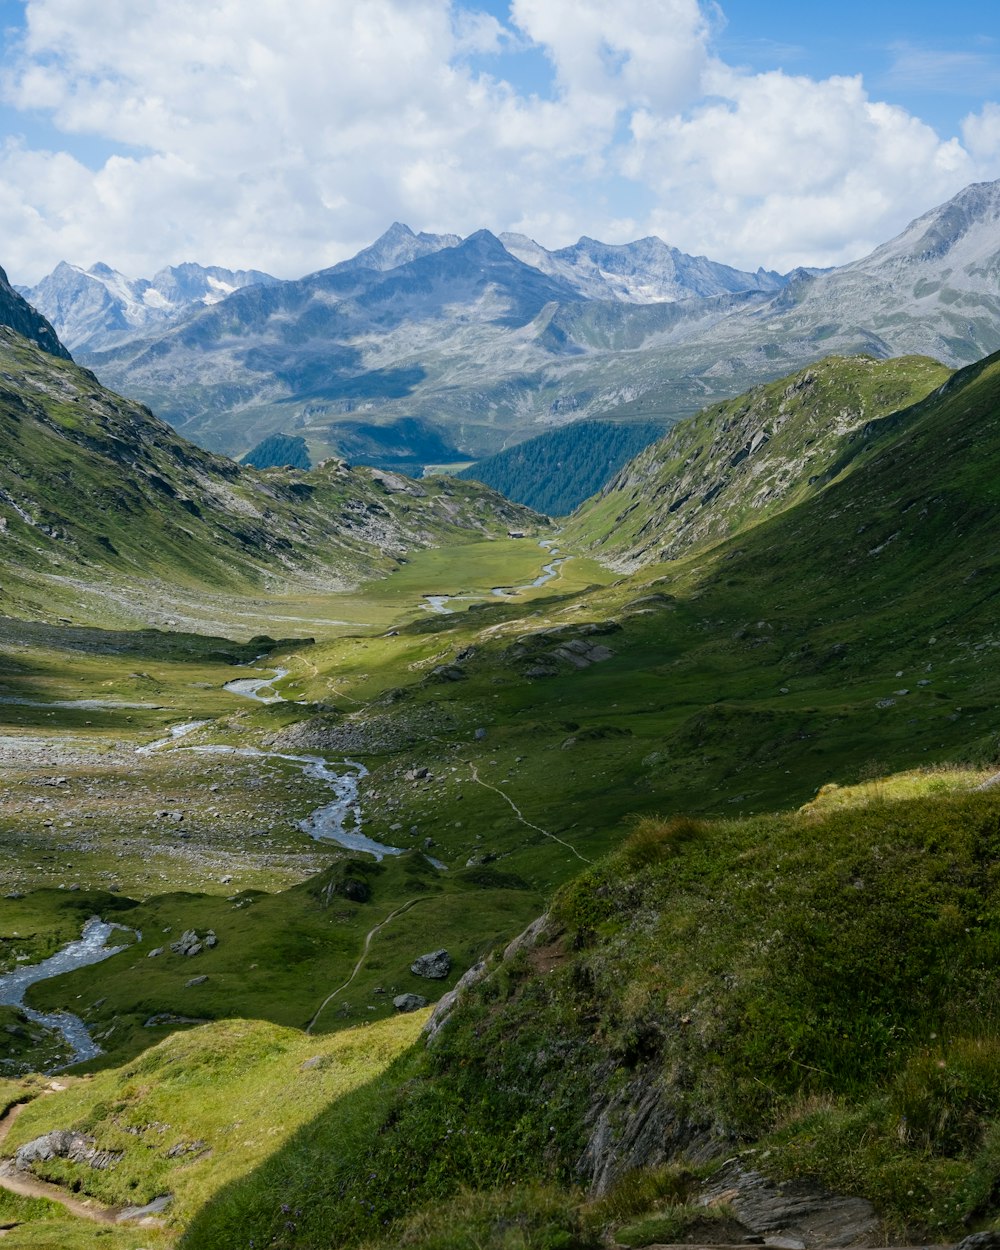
x: 287, y: 137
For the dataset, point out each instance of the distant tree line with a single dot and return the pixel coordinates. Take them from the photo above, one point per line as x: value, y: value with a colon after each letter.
x: 278, y: 450
x: 557, y: 471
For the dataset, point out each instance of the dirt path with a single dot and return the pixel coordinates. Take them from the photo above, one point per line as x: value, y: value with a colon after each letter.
x: 28, y: 1186
x: 519, y: 814
x: 364, y: 952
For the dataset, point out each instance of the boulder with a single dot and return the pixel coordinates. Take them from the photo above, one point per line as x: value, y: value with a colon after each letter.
x: 409, y: 1002
x: 434, y: 966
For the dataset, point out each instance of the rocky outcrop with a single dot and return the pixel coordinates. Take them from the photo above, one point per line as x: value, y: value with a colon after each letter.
x: 478, y: 972
x: 189, y: 943
x: 796, y: 1211
x: 64, y: 1144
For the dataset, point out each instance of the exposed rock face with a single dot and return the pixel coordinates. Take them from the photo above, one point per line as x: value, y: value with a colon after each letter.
x: 795, y: 1210
x: 65, y: 1144
x: 636, y: 1126
x: 434, y: 967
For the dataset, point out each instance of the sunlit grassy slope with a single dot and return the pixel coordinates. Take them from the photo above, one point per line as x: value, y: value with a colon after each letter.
x: 815, y: 984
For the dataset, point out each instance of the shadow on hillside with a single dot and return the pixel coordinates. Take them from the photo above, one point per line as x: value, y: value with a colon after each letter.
x: 315, y: 1190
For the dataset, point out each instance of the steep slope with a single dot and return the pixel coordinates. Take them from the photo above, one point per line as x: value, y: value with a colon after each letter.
x: 95, y: 488
x: 740, y: 461
x: 20, y: 316
x: 644, y: 272
x: 97, y: 307
x: 555, y: 472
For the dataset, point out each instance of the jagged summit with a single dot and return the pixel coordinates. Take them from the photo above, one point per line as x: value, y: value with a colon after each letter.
x: 94, y: 308
x: 397, y: 246
x: 17, y: 313
x: 645, y: 271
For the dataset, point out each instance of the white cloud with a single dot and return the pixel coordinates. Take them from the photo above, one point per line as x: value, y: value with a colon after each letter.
x: 637, y: 54
x: 981, y: 133
x: 791, y: 171
x: 285, y: 137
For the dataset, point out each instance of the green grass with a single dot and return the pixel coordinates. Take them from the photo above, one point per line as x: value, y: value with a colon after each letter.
x: 734, y: 952
x: 205, y: 1108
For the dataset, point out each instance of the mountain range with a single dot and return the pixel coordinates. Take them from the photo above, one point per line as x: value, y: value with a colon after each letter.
x: 455, y: 349
x: 97, y: 307
x: 372, y: 333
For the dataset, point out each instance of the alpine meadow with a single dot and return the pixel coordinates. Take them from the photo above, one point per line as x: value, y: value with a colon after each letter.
x: 500, y: 742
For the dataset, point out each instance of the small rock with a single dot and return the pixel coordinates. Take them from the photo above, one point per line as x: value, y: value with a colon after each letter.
x: 480, y: 735
x: 196, y: 981
x: 153, y: 953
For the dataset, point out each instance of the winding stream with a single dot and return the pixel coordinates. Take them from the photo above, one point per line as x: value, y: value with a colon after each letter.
x: 439, y: 603
x: 90, y: 948
x: 330, y: 822
x: 251, y: 687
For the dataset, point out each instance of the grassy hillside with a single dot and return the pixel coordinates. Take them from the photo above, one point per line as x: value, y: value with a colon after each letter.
x: 740, y: 461
x: 759, y: 938
x: 94, y: 489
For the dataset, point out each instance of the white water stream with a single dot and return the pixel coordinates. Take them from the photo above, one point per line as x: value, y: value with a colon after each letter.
x: 90, y: 948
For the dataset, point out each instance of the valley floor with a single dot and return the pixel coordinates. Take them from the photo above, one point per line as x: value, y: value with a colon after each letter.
x: 501, y: 745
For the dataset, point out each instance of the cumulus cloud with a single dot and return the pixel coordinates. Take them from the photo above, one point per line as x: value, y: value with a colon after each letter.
x: 251, y: 133
x: 790, y: 170
x: 981, y: 132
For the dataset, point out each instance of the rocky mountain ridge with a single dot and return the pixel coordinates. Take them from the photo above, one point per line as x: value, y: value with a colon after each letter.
x: 647, y: 271
x: 738, y: 462
x: 482, y: 350
x: 97, y: 307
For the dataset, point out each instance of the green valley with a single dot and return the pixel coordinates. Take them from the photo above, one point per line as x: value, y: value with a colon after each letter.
x: 718, y: 749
